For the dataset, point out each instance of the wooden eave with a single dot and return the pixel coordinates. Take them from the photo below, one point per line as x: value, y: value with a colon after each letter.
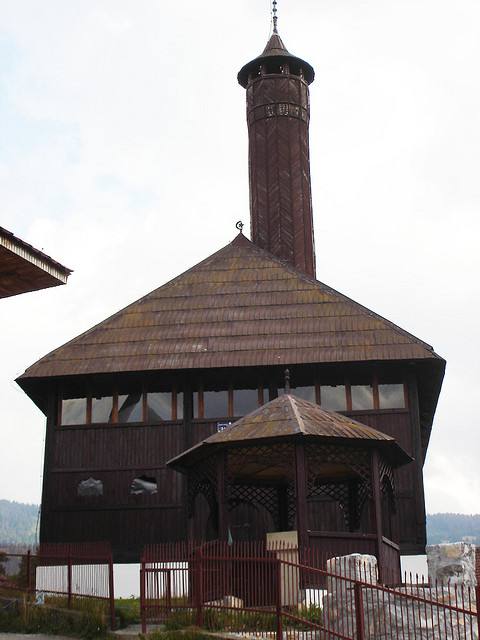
x: 24, y: 268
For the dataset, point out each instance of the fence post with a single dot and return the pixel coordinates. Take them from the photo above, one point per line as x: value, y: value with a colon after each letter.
x: 69, y: 581
x: 111, y: 590
x: 278, y: 608
x: 199, y: 587
x: 168, y: 590
x: 359, y: 613
x: 29, y: 578
x: 143, y: 612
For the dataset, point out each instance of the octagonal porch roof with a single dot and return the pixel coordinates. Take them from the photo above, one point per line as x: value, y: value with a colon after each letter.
x: 291, y: 417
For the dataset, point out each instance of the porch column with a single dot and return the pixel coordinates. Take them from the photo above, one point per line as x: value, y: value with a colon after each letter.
x: 377, y: 511
x: 301, y: 493
x: 221, y: 496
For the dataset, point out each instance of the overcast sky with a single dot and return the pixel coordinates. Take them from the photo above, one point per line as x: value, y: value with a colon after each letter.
x: 123, y: 154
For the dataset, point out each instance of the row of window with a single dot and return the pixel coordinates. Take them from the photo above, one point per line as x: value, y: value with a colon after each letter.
x: 159, y: 406
x: 123, y: 408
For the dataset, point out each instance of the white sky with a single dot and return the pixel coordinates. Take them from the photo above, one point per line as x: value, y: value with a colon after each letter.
x: 123, y: 154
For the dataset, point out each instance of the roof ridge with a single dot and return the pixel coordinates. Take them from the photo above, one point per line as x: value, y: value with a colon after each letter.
x: 296, y: 413
x: 336, y: 415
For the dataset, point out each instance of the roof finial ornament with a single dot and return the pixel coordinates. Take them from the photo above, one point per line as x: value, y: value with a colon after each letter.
x: 287, y: 381
x: 239, y: 226
x: 274, y: 16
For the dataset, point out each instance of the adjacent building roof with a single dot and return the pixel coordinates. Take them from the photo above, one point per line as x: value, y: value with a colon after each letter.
x: 239, y: 307
x: 289, y: 416
x: 24, y: 268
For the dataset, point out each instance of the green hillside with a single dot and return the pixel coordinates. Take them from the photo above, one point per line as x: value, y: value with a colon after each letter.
x: 453, y: 527
x: 18, y: 522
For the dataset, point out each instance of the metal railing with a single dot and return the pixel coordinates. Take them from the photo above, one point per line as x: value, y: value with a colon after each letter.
x: 63, y: 573
x: 252, y: 589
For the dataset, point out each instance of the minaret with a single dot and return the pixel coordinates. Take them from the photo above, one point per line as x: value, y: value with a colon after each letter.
x: 278, y: 114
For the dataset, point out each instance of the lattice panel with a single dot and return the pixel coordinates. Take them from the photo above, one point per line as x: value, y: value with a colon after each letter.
x: 358, y: 461
x: 386, y: 471
x: 388, y: 489
x: 334, y: 491
x: 263, y: 496
x: 263, y: 457
x: 291, y: 506
x: 202, y: 479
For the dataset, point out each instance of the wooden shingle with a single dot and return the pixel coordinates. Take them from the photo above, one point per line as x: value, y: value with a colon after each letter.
x: 239, y: 307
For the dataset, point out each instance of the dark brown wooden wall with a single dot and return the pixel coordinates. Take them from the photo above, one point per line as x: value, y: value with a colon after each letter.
x: 117, y: 454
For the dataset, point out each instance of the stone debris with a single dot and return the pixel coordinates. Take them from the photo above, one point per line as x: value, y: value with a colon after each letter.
x: 408, y: 612
x: 231, y: 602
x: 454, y: 563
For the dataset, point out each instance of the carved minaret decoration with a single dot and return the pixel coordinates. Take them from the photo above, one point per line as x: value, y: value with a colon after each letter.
x: 278, y: 114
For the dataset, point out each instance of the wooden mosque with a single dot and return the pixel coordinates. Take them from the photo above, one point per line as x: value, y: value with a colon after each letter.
x: 244, y: 396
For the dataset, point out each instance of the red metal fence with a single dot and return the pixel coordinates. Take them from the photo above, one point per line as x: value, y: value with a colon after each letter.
x: 282, y: 592
x: 61, y: 571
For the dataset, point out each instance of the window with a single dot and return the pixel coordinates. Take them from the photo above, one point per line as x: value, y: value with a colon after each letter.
x: 362, y: 396
x: 130, y: 408
x: 215, y: 404
x: 333, y: 398
x: 143, y: 486
x: 90, y: 487
x: 159, y: 406
x: 102, y: 409
x: 391, y: 396
x: 244, y: 401
x: 74, y: 411
x: 179, y: 396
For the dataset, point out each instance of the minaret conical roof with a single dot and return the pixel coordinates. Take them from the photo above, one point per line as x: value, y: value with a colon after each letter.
x: 276, y: 52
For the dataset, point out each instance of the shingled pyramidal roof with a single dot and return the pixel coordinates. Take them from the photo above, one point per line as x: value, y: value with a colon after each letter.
x: 239, y: 307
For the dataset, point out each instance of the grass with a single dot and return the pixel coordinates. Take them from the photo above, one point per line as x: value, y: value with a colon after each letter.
x: 216, y: 619
x: 85, y: 620
x: 127, y: 611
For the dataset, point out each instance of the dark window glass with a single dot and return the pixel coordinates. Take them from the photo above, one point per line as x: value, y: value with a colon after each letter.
x: 391, y: 396
x: 215, y: 404
x: 179, y: 405
x: 362, y: 396
x: 244, y: 401
x: 333, y: 398
x: 102, y: 409
x: 130, y: 408
x: 74, y: 411
x: 159, y: 406
x: 196, y: 405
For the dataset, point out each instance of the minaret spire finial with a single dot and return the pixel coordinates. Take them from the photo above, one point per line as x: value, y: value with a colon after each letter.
x: 274, y: 16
